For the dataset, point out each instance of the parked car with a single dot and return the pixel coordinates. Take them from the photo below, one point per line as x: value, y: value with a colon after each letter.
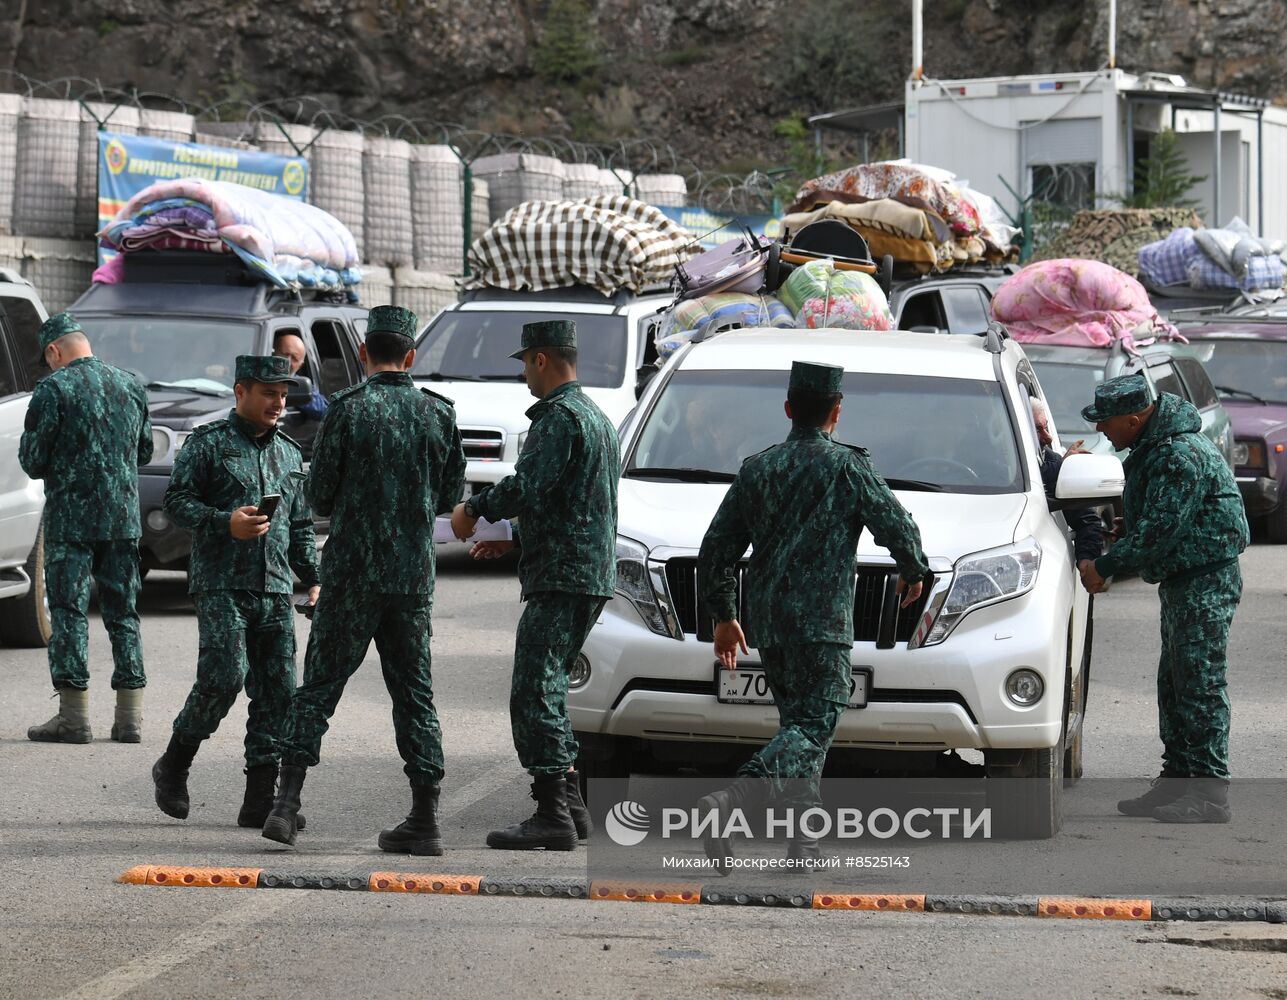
x: 24, y: 613
x: 956, y: 301
x: 464, y: 353
x: 1069, y: 375
x: 948, y: 422
x: 1246, y: 355
x: 177, y: 322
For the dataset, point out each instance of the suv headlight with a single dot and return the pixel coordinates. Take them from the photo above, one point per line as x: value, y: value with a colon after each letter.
x: 984, y: 578
x: 160, y: 446
x: 635, y: 585
x: 520, y: 441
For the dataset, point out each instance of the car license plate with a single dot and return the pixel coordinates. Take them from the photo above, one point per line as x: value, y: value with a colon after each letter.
x: 750, y: 686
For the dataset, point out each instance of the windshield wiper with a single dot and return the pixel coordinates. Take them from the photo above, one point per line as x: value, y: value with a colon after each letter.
x: 440, y: 377
x: 200, y: 390
x: 913, y: 484
x: 683, y: 475
x: 1230, y: 391
x: 500, y: 378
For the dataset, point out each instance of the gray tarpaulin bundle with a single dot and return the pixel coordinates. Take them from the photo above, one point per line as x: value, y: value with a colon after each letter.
x: 606, y: 242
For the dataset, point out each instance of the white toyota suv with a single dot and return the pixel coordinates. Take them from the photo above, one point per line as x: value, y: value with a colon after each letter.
x: 995, y: 655
x: 464, y: 353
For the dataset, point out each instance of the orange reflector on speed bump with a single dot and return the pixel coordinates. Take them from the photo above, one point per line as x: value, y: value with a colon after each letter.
x: 889, y: 902
x: 1095, y: 909
x: 647, y: 892
x: 202, y: 878
x: 444, y: 885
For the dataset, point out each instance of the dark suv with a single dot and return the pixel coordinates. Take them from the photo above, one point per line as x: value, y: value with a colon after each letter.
x: 177, y: 323
x: 1245, y: 352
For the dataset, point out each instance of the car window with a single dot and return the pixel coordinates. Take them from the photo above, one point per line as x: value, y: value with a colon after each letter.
x: 8, y: 381
x: 475, y: 345
x: 954, y: 433
x: 334, y: 370
x: 23, y: 321
x: 1068, y: 388
x: 1258, y: 367
x: 922, y: 309
x: 1201, y: 391
x: 174, y: 351
x: 1165, y: 380
x: 966, y: 308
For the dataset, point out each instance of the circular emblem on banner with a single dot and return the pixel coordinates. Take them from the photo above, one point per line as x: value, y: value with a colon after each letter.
x: 293, y: 177
x: 116, y: 156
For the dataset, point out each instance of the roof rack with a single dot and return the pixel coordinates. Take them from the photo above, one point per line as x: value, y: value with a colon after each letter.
x: 994, y: 338
x: 569, y: 293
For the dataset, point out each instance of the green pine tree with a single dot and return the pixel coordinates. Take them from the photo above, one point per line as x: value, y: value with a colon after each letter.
x: 568, y: 49
x: 1162, y: 179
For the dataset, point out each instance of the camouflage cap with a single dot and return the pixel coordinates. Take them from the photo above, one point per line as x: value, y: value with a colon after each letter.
x: 264, y: 368
x: 820, y: 380
x: 392, y: 319
x: 57, y: 326
x: 1118, y: 397
x: 548, y: 333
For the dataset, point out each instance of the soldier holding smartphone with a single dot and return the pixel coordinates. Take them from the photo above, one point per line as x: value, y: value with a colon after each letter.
x: 245, y: 544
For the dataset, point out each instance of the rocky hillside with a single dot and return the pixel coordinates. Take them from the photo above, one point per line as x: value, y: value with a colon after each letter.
x: 711, y: 77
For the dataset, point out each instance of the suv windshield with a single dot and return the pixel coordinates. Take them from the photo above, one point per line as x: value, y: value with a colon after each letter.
x: 1068, y: 388
x: 944, y: 434
x: 1255, y: 366
x: 475, y: 345
x: 197, y: 354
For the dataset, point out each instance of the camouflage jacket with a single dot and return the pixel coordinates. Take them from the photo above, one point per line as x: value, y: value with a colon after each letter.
x: 802, y: 504
x: 224, y: 466
x: 564, y: 494
x: 387, y: 460
x: 86, y: 434
x: 1182, y: 507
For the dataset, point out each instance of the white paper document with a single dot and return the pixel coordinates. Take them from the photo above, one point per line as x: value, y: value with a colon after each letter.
x: 484, y: 531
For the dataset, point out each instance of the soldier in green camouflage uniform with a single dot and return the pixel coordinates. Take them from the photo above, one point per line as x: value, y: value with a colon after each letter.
x: 564, y: 493
x: 802, y: 505
x: 388, y: 459
x: 1183, y: 529
x: 240, y: 580
x: 86, y: 433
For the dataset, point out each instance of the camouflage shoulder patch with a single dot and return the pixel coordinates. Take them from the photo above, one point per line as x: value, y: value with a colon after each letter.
x: 859, y: 449
x: 347, y: 391
x: 210, y: 428
x: 438, y: 395
x: 283, y: 436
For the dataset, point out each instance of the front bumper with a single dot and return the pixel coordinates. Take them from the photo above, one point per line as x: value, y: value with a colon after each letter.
x: 481, y: 474
x: 1260, y: 494
x: 949, y: 696
x: 167, y: 546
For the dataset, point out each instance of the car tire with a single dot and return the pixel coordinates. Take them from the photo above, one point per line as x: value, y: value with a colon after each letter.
x: 1027, y: 803
x: 24, y: 621
x: 1276, y: 525
x: 1073, y: 769
x: 602, y: 757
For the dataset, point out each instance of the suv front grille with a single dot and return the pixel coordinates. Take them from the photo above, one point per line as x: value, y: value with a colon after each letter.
x: 873, y: 586
x: 481, y: 444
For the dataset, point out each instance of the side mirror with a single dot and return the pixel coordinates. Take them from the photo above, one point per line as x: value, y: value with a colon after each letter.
x: 299, y: 395
x: 1088, y: 479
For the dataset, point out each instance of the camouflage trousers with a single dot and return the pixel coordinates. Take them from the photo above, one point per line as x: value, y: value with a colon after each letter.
x: 114, y: 566
x: 245, y: 638
x: 344, y: 624
x: 1192, y: 701
x: 551, y: 632
x: 810, y: 685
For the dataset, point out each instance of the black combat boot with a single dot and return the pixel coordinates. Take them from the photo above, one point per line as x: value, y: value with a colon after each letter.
x: 283, y: 822
x: 418, y: 833
x: 170, y: 775
x: 550, y: 827
x: 1205, y: 801
x: 577, y: 807
x: 261, y: 784
x: 743, y: 793
x: 1163, y: 790
x: 804, y: 851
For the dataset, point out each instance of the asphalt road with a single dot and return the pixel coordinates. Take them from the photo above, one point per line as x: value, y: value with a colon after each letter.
x: 73, y: 818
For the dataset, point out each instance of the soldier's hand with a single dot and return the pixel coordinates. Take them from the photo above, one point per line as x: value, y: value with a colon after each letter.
x: 911, y: 591
x: 246, y: 524
x: 491, y: 550
x: 313, y: 594
x: 1090, y: 578
x: 1118, y: 529
x: 462, y: 525
x: 728, y: 640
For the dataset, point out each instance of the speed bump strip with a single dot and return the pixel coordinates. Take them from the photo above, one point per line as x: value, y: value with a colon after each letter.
x: 442, y: 885
x: 889, y: 902
x: 643, y: 892
x: 720, y: 893
x: 1094, y: 909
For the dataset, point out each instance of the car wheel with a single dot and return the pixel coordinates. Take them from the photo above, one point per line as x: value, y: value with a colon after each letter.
x: 24, y: 621
x: 601, y: 757
x: 1073, y: 769
x: 1276, y: 525
x: 1026, y: 800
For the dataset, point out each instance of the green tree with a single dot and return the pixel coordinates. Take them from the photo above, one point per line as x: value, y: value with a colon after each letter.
x: 568, y: 48
x: 1162, y: 179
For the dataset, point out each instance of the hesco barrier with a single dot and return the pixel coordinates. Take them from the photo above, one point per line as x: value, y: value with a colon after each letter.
x: 714, y: 894
x: 387, y: 205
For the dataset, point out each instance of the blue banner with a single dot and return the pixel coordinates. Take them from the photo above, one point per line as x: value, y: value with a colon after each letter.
x: 129, y: 163
x: 713, y: 228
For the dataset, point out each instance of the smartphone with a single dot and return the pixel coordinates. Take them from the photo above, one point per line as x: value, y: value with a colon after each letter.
x: 305, y: 608
x: 268, y: 505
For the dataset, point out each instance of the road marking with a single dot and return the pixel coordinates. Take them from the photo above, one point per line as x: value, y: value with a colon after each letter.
x: 231, y: 924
